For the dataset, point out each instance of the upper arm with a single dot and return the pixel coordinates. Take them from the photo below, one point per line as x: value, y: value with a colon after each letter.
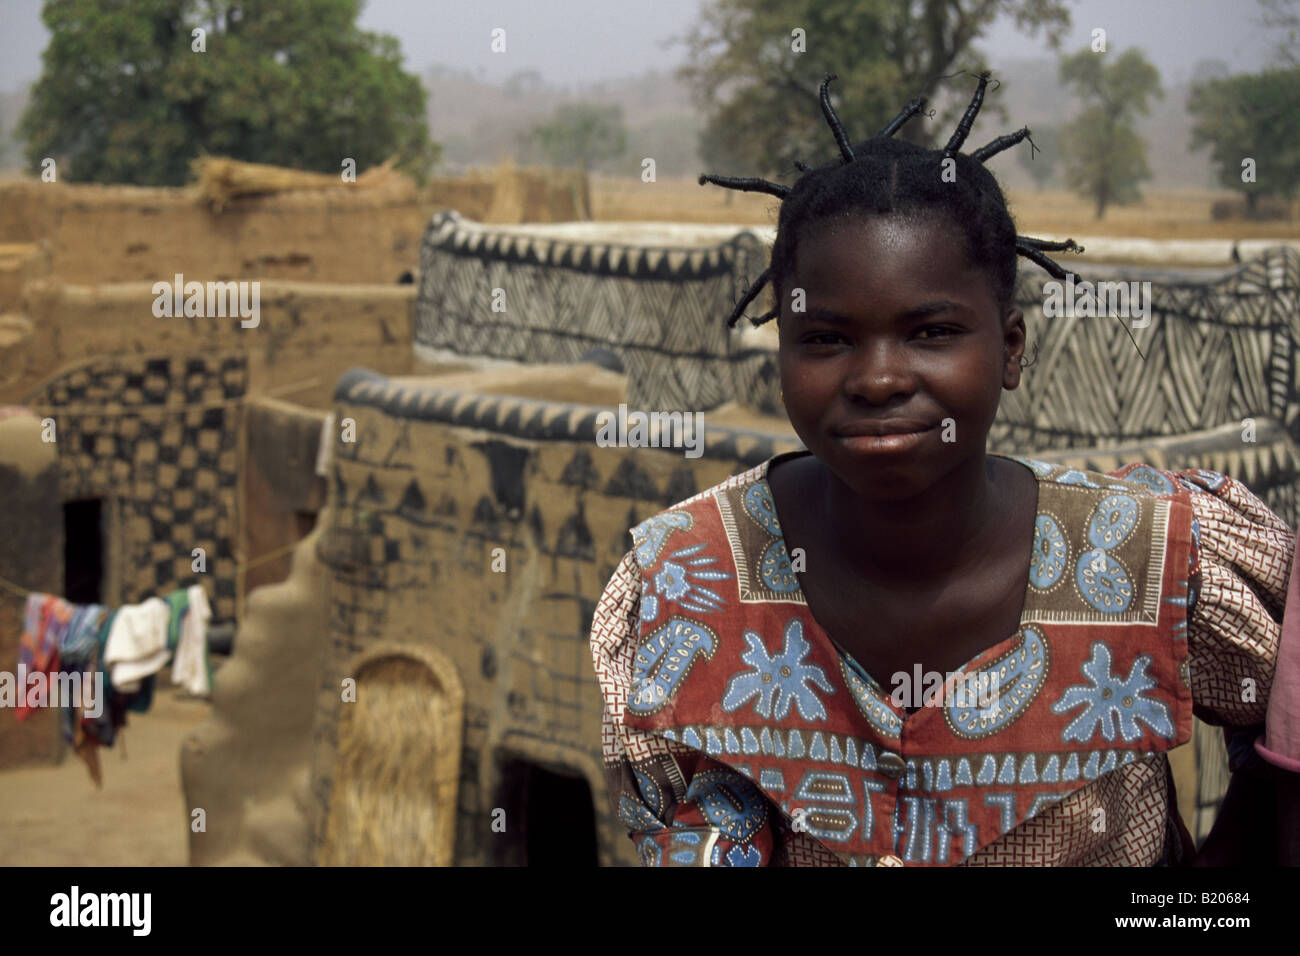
x: 680, y: 807
x: 1243, y: 552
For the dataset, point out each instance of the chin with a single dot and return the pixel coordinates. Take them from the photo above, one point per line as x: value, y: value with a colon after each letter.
x: 884, y: 477
x: 893, y: 469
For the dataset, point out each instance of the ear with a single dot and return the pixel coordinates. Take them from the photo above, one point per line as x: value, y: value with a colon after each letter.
x: 1013, y: 347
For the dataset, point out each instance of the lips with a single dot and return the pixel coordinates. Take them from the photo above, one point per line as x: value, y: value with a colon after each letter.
x: 888, y: 426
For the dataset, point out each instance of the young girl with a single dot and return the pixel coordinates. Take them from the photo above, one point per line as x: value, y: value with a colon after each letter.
x: 764, y: 648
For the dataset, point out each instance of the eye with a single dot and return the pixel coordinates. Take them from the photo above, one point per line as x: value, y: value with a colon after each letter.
x: 937, y: 331
x: 822, y: 338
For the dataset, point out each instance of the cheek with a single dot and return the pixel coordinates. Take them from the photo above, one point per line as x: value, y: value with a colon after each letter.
x: 804, y: 383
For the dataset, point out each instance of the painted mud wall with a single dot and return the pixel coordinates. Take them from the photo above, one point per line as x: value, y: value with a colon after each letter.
x: 121, y: 233
x: 155, y: 437
x: 436, y: 481
x: 31, y: 554
x: 306, y: 332
x: 658, y: 308
x: 282, y: 494
x: 148, y: 411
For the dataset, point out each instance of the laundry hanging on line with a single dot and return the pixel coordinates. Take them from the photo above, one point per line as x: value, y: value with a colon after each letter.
x: 119, y: 650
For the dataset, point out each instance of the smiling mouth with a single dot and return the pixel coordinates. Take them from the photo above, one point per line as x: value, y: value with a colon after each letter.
x: 883, y: 438
x: 870, y: 429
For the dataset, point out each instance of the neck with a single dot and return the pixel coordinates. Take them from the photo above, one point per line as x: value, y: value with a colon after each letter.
x: 930, y: 535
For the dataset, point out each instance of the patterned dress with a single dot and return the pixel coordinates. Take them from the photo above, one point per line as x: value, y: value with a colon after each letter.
x: 737, y: 733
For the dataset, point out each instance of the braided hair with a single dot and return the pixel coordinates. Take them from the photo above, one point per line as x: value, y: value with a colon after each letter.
x: 885, y: 175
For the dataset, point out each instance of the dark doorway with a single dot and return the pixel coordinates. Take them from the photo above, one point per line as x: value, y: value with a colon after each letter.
x: 83, y: 551
x: 559, y: 819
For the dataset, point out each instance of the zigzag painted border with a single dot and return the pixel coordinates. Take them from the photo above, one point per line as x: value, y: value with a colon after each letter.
x: 532, y: 419
x: 449, y: 232
x: 1272, y: 459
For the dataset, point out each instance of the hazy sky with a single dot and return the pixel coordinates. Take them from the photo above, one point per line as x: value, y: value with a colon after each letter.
x: 576, y: 41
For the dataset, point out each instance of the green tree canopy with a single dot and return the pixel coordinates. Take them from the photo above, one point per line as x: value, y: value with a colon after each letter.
x: 582, y: 134
x: 1254, y: 117
x: 125, y: 96
x: 1105, y: 159
x: 760, y: 95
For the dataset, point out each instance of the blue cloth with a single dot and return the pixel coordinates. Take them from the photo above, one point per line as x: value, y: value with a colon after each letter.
x: 78, y: 654
x: 104, y: 727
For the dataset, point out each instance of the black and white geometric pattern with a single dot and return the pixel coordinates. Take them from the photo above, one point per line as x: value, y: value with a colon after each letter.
x: 158, y: 435
x: 532, y: 419
x: 660, y: 310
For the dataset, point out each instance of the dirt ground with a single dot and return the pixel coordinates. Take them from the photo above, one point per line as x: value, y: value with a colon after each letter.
x: 54, y: 816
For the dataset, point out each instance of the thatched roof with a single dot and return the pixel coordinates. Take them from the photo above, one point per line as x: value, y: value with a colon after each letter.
x: 220, y: 179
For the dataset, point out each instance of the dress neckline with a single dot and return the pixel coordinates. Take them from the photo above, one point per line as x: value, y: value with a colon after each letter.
x: 820, y: 633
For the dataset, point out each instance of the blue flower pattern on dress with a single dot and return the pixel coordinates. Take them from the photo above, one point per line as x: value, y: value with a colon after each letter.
x: 1110, y: 701
x: 744, y: 856
x: 1075, y: 477
x: 636, y: 816
x: 760, y: 506
x: 869, y: 697
x: 680, y: 578
x: 1150, y: 480
x: 648, y: 850
x: 776, y: 569
x: 1049, y: 552
x: 729, y: 802
x: 650, y: 794
x: 1111, y: 521
x: 664, y: 660
x: 649, y: 536
x: 1104, y: 582
x: 1012, y: 682
x: 781, y: 681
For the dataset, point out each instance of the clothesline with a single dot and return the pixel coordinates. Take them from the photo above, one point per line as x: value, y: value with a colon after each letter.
x: 118, y: 650
x: 243, y: 566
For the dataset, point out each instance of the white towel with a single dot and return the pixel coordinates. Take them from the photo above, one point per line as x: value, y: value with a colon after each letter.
x: 137, y: 643
x: 189, y: 669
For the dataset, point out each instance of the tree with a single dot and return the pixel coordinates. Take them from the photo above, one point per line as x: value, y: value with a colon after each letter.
x: 582, y: 134
x: 1041, y: 163
x: 1105, y: 159
x: 759, y: 94
x: 1251, y: 123
x: 1283, y: 15
x: 127, y: 95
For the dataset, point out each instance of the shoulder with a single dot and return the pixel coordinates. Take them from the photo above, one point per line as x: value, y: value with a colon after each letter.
x: 649, y: 536
x: 1136, y: 477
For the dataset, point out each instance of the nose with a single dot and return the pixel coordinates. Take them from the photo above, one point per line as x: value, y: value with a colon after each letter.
x: 879, y: 371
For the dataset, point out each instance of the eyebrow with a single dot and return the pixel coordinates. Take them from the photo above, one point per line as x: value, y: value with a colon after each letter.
x: 922, y: 311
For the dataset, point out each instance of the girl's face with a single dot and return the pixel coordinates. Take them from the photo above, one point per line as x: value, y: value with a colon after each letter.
x: 893, y: 370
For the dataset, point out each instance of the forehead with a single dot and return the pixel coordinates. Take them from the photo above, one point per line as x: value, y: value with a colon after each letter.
x: 885, y: 257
